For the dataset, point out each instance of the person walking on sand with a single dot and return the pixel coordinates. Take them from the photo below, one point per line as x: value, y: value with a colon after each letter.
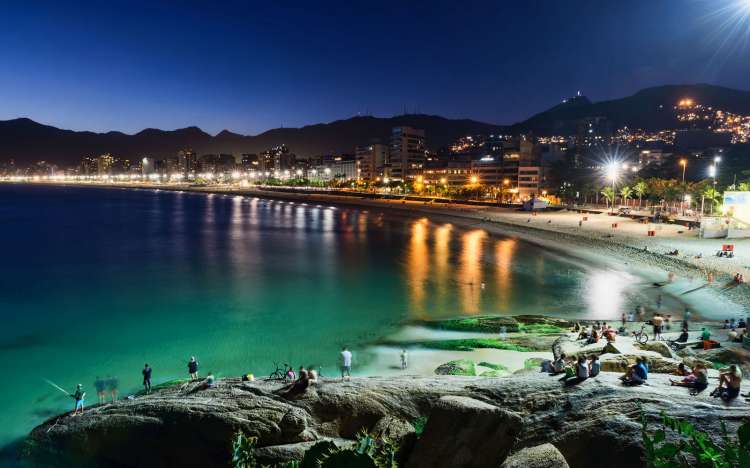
x: 404, y: 359
x: 146, y: 378
x: 657, y: 322
x: 686, y: 318
x: 346, y: 363
x: 78, y: 396
x: 193, y: 368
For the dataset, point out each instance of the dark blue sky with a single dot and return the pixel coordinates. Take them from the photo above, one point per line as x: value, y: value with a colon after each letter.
x: 249, y: 66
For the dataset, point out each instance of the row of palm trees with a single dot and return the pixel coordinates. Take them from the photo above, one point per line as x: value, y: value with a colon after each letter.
x: 666, y: 192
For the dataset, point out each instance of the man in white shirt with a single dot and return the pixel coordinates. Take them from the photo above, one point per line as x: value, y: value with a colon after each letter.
x: 346, y: 363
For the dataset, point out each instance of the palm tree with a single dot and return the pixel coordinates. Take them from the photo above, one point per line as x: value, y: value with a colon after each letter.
x: 626, y: 192
x: 712, y: 196
x: 609, y: 195
x: 640, y: 189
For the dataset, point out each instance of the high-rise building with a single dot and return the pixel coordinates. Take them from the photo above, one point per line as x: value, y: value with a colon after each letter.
x: 187, y: 163
x: 250, y: 162
x: 370, y: 161
x: 407, y: 153
x: 148, y: 166
x: 104, y: 164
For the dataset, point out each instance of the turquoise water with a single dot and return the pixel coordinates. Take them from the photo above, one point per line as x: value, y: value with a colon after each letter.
x: 96, y: 282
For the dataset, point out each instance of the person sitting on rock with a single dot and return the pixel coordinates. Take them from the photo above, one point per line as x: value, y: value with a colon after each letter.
x: 580, y: 371
x: 210, y: 381
x: 594, y: 366
x: 312, y: 375
x: 729, y: 383
x: 741, y: 323
x: 594, y: 338
x: 683, y: 336
x: 697, y: 380
x: 297, y: 387
x: 636, y: 374
x: 610, y: 334
x: 558, y: 366
x: 682, y: 370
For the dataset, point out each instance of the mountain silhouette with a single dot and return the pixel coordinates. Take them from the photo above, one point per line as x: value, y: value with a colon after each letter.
x: 27, y: 141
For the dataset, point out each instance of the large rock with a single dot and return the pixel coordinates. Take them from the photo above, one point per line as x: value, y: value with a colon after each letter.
x: 481, y: 435
x: 659, y: 347
x: 541, y: 456
x: 457, y: 367
x: 621, y: 362
x: 574, y: 348
x: 194, y: 427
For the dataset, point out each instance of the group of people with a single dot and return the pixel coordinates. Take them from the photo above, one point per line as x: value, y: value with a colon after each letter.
x: 106, y: 387
x: 575, y: 370
x: 739, y: 278
x: 596, y: 332
x: 732, y: 324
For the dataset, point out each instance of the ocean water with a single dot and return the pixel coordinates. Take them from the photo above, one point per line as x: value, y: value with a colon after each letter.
x: 97, y: 282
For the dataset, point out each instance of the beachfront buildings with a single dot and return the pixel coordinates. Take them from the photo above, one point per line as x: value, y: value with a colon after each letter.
x: 370, y: 161
x: 407, y: 153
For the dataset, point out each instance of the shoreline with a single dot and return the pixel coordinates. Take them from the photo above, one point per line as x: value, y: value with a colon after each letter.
x: 559, y: 232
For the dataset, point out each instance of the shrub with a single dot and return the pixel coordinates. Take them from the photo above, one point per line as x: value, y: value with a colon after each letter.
x: 687, y: 446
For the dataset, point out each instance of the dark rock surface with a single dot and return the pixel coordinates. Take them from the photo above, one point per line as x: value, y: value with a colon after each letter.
x: 481, y: 435
x: 194, y: 427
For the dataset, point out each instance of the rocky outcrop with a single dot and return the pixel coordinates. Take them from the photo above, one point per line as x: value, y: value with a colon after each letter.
x: 472, y: 424
x: 192, y: 426
x: 457, y: 367
x: 541, y: 456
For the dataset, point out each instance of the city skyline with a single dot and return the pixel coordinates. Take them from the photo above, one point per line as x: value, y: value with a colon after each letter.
x: 250, y: 69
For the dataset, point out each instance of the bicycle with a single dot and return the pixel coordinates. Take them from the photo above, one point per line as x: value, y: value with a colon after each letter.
x: 641, y: 336
x: 281, y: 374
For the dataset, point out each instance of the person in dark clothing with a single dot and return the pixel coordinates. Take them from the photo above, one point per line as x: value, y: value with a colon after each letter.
x: 100, y: 385
x: 193, y: 368
x: 297, y: 387
x: 146, y: 378
x: 113, y: 384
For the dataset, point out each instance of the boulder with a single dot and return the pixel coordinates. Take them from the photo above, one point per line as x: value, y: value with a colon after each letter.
x: 458, y: 431
x: 541, y: 456
x: 274, y: 454
x: 621, y: 362
x: 574, y: 348
x: 399, y: 431
x: 457, y: 367
x: 477, y: 417
x: 658, y: 347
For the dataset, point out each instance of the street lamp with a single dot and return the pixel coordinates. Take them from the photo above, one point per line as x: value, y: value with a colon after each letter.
x: 612, y: 173
x: 683, y: 163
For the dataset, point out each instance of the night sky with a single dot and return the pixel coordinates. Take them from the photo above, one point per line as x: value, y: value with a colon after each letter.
x: 248, y: 66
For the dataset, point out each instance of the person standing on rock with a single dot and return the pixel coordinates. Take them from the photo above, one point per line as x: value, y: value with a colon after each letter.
x: 112, y: 386
x: 146, y: 378
x: 100, y: 385
x: 686, y: 318
x: 193, y: 368
x: 346, y: 363
x: 78, y: 396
